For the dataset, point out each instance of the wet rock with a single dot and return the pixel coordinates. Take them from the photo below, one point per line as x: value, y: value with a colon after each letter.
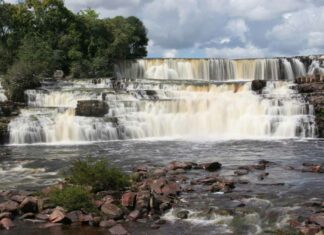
x: 58, y: 216
x: 107, y: 223
x: 29, y: 204
x: 112, y: 211
x: 171, y: 189
x: 18, y: 198
x: 224, y: 186
x: 241, y: 172
x: 134, y: 215
x: 318, y: 219
x: 310, y: 229
x: 29, y: 215
x: 182, y: 214
x: 155, y: 226
x: 143, y: 200
x: 213, y: 166
x: 159, y: 172
x: 141, y: 168
x: 91, y: 108
x: 209, y: 180
x: 258, y: 85
x: 6, y: 223
x: 165, y: 206
x: 74, y: 216
x: 42, y: 216
x: 158, y: 184
x: 263, y: 176
x: 179, y: 165
x: 9, y: 206
x: 128, y: 199
x: 5, y: 215
x: 118, y: 230
x: 160, y: 221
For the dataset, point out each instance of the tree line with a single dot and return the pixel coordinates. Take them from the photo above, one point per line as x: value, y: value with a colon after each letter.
x: 38, y: 37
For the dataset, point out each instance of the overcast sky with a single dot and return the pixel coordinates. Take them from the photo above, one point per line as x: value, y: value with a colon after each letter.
x: 222, y: 28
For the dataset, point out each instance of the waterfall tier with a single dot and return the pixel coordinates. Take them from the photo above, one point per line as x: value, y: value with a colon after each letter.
x: 148, y: 108
x: 3, y: 97
x: 212, y: 69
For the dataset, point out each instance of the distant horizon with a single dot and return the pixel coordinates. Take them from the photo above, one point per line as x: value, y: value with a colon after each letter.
x: 224, y: 28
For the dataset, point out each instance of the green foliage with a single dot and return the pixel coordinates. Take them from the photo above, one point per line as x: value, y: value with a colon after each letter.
x: 20, y: 77
x: 46, y: 33
x: 99, y: 175
x: 72, y: 198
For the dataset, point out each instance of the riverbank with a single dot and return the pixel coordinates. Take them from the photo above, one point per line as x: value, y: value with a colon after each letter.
x: 167, y: 195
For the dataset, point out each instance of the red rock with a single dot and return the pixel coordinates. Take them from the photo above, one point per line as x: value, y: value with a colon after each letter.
x: 141, y: 168
x: 318, y: 219
x: 29, y: 204
x: 86, y: 218
x: 143, y: 200
x: 107, y: 223
x: 6, y: 223
x: 118, y: 230
x: 29, y: 215
x: 157, y: 185
x: 128, y: 199
x: 179, y: 165
x: 18, y: 198
x: 134, y: 215
x: 310, y: 229
x: 9, y: 206
x: 112, y: 211
x: 57, y: 216
x: 171, y: 189
x: 209, y: 180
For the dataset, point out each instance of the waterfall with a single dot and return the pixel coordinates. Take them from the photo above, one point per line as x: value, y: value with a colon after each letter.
x: 165, y: 109
x: 289, y: 74
x: 202, y: 69
x: 3, y: 97
x: 316, y: 67
x: 298, y: 67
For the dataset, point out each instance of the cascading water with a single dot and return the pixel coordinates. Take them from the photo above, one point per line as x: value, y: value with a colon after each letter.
x: 3, y: 97
x: 211, y: 69
x: 155, y: 109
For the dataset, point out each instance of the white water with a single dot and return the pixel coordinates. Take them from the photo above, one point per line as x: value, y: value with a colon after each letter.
x: 153, y: 109
x: 3, y: 97
x: 212, y: 69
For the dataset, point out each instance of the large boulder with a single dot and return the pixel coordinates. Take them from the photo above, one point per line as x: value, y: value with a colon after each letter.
x: 258, y: 85
x: 91, y: 108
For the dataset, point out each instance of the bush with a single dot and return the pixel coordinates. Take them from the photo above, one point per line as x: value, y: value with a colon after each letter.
x: 98, y: 175
x: 19, y: 78
x: 72, y: 198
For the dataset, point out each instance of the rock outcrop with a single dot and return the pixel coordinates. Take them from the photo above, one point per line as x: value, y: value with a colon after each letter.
x: 8, y: 110
x: 92, y: 108
x: 314, y: 94
x: 258, y: 85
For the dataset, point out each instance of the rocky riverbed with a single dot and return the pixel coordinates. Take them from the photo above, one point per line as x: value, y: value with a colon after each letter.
x: 159, y: 196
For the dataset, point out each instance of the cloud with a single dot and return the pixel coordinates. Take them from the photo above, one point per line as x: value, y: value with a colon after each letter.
x: 249, y: 51
x: 222, y: 28
x: 170, y: 53
x: 238, y: 28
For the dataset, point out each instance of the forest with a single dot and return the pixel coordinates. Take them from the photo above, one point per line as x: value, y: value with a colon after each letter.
x: 38, y: 37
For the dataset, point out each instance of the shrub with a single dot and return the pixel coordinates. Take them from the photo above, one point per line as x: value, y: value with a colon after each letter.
x: 99, y: 175
x: 72, y: 198
x: 20, y: 77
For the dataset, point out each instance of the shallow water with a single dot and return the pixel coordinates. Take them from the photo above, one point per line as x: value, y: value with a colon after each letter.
x: 35, y: 166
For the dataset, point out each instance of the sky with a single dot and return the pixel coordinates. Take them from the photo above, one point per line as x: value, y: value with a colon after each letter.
x: 222, y: 28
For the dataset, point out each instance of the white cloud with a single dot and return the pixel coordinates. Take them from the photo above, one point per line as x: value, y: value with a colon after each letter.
x: 170, y: 53
x: 222, y: 27
x: 238, y: 28
x: 249, y: 51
